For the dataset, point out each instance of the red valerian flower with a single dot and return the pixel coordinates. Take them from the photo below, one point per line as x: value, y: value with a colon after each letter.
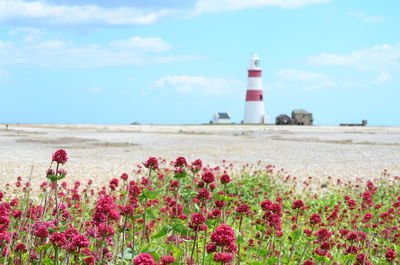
x: 297, y: 204
x: 58, y: 239
x: 165, y: 260
x: 144, y: 259
x: 315, y: 218
x: 151, y: 163
x: 80, y: 241
x: 20, y: 248
x: 243, y: 209
x: 390, y: 255
x: 180, y: 162
x: 308, y: 262
x: 198, y: 218
x: 60, y: 156
x: 208, y: 177
x: 223, y: 235
x: 223, y: 257
x: 225, y: 179
x: 196, y: 166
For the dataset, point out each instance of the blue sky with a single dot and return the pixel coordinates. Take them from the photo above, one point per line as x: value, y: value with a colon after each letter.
x: 179, y: 61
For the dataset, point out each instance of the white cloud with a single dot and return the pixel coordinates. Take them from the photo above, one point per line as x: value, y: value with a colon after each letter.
x: 150, y: 44
x: 378, y: 57
x: 211, y: 6
x: 307, y: 80
x: 365, y: 18
x: 28, y: 34
x: 199, y: 84
x: 383, y: 78
x: 43, y: 13
x: 56, y: 53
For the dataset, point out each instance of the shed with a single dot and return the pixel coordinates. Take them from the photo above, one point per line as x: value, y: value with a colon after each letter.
x: 283, y: 119
x: 221, y: 118
x: 302, y: 117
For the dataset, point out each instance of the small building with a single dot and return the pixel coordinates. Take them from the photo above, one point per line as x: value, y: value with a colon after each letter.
x: 302, y: 117
x: 283, y: 119
x: 221, y: 118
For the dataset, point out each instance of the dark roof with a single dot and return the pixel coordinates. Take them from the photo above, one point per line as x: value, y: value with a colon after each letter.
x: 223, y: 115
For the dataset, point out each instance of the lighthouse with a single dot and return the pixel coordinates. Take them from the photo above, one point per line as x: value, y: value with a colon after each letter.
x: 254, y: 107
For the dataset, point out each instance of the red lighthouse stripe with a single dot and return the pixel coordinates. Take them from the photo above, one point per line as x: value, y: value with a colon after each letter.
x: 254, y: 73
x: 254, y: 95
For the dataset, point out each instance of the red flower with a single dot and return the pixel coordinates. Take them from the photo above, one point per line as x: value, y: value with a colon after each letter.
x: 144, y: 259
x: 315, y: 218
x: 198, y: 218
x: 180, y: 162
x: 223, y: 235
x: 20, y: 248
x: 223, y: 257
x: 225, y: 179
x: 167, y: 260
x: 208, y: 177
x: 80, y: 241
x: 151, y: 163
x: 243, y: 208
x: 308, y: 262
x: 390, y: 255
x: 204, y: 194
x: 297, y: 204
x: 58, y: 239
x: 60, y: 156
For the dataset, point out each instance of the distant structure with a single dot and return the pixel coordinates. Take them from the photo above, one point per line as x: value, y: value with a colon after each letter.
x: 221, y: 118
x: 254, y: 111
x: 283, y: 119
x: 302, y: 117
x: 299, y: 117
x: 363, y: 124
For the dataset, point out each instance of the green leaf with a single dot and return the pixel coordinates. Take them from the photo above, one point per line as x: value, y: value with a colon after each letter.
x: 272, y: 260
x: 239, y: 237
x: 295, y: 235
x: 63, y: 228
x: 47, y: 261
x: 322, y: 259
x: 42, y: 247
x: 164, y: 230
x: 150, y: 214
x: 181, y: 229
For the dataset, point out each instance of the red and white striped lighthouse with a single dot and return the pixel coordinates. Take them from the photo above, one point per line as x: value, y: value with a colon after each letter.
x: 254, y: 108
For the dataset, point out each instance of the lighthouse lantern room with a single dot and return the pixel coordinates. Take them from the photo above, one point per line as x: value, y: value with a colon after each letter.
x: 254, y: 107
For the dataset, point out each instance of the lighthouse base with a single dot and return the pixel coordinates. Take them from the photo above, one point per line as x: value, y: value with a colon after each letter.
x: 254, y: 112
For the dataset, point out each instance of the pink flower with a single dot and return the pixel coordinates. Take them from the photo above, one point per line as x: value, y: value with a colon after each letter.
x: 60, y: 156
x: 144, y: 259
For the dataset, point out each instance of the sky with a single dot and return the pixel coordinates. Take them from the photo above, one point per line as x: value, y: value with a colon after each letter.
x: 180, y: 61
